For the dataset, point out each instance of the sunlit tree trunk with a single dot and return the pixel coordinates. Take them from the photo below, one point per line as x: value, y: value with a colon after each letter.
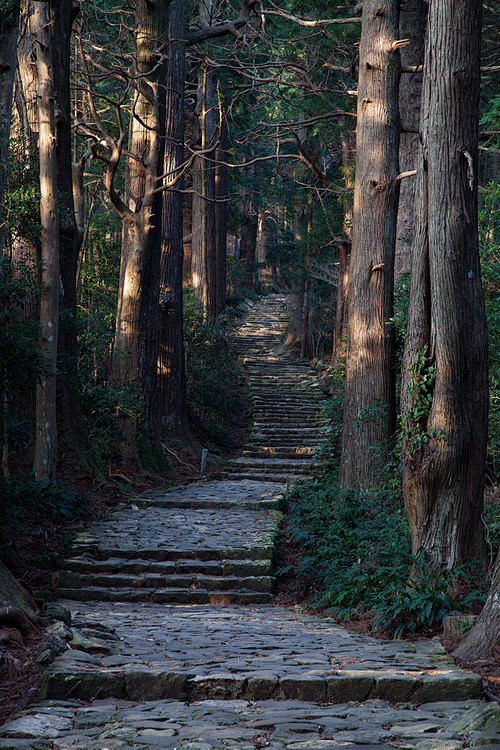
x: 172, y: 378
x: 444, y: 397
x: 136, y: 339
x: 27, y: 83
x: 369, y: 404
x: 45, y: 459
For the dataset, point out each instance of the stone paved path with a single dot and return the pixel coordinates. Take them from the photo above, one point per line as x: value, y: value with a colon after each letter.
x: 160, y: 652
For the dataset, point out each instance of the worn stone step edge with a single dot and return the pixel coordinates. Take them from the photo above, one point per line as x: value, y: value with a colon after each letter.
x: 100, y: 552
x: 155, y: 581
x: 237, y: 568
x: 209, y: 503
x: 164, y: 596
x: 278, y: 478
x: 61, y: 683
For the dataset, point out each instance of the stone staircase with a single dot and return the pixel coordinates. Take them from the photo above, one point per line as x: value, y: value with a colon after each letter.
x: 212, y: 543
x: 144, y: 656
x: 286, y: 398
x: 201, y: 544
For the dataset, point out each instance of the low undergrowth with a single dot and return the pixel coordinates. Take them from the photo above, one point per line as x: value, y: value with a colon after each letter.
x: 355, y: 561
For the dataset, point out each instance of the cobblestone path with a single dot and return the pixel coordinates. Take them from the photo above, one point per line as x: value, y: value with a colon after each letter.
x: 161, y: 653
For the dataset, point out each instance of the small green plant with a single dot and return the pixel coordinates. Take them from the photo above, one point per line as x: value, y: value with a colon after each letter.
x: 425, y: 600
x: 421, y: 386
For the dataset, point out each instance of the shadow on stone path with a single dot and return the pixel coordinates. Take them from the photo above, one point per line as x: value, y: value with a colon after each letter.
x: 161, y: 652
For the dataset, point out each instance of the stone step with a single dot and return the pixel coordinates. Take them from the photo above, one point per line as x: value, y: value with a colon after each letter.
x: 275, y: 465
x: 257, y: 653
x: 164, y: 596
x: 285, y: 451
x: 238, y: 568
x: 157, y: 581
x: 257, y: 475
x: 135, y: 552
x: 213, y: 503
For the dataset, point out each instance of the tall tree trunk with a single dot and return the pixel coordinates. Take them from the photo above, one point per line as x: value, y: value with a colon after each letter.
x: 369, y: 405
x: 221, y: 208
x: 72, y: 431
x: 444, y: 398
x: 412, y: 26
x: 45, y: 459
x: 9, y: 25
x: 27, y: 83
x: 340, y: 309
x: 172, y: 377
x: 136, y: 340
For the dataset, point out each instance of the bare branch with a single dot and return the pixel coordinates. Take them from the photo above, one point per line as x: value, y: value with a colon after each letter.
x: 222, y: 29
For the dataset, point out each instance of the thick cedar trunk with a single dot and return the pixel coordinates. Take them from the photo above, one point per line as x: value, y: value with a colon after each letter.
x: 172, y: 378
x: 221, y: 213
x: 73, y: 438
x: 369, y: 405
x: 445, y: 386
x: 136, y: 340
x: 412, y: 26
x: 8, y: 48
x: 45, y: 459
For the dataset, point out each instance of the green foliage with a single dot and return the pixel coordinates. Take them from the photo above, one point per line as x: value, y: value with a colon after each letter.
x: 21, y: 360
x: 420, y: 388
x: 216, y: 400
x: 353, y: 546
x: 421, y: 604
x: 356, y: 559
x: 332, y: 412
x: 53, y: 501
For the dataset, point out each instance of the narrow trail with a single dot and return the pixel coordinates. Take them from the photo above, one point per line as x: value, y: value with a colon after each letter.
x: 175, y: 642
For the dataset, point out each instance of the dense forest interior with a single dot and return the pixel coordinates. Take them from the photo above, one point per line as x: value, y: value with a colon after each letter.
x: 165, y: 165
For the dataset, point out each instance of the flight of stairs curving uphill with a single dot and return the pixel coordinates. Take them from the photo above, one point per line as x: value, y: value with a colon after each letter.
x: 286, y: 397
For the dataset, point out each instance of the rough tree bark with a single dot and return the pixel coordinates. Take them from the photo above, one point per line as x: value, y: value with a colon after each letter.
x: 369, y: 405
x: 412, y: 26
x: 171, y: 364
x: 444, y: 397
x: 45, y: 458
x: 136, y: 339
